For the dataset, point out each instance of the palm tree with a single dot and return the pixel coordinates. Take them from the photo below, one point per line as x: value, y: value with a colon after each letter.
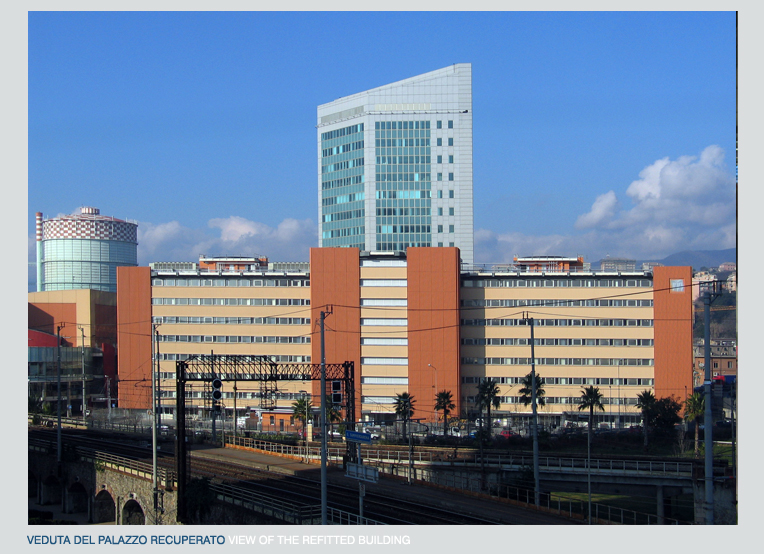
x: 332, y: 414
x: 487, y: 396
x: 302, y: 408
x: 694, y: 409
x: 444, y: 401
x: 591, y: 398
x: 404, y: 408
x: 646, y: 403
x: 526, y: 393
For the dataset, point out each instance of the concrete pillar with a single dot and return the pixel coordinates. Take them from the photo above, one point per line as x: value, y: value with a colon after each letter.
x: 660, y: 505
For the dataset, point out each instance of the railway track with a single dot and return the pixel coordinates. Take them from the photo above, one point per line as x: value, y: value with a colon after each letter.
x: 306, y: 492
x: 429, y: 509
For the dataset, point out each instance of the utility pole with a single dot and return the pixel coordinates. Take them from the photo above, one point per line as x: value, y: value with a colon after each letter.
x: 709, y: 295
x: 154, y: 373
x: 534, y: 408
x: 84, y: 390
x: 108, y: 399
x: 58, y: 404
x: 323, y: 420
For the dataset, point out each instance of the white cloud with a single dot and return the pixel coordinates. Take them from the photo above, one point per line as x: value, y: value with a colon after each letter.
x: 684, y: 204
x: 602, y: 210
x: 231, y: 236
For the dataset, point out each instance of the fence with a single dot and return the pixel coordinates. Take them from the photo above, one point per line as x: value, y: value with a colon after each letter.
x: 398, y: 463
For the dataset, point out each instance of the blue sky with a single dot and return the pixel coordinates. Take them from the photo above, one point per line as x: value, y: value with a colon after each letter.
x: 594, y: 133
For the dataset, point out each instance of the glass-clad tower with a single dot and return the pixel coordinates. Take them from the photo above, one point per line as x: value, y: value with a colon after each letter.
x: 395, y: 165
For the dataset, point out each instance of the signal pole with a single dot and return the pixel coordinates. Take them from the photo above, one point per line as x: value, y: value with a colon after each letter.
x: 708, y: 297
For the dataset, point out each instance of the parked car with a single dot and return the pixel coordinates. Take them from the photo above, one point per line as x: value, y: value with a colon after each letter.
x: 506, y: 433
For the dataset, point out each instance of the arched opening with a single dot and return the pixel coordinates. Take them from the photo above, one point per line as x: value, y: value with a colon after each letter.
x: 104, y: 509
x: 77, y: 499
x: 51, y: 491
x: 132, y: 514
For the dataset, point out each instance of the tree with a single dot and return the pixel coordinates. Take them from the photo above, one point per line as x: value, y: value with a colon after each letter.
x: 302, y: 408
x: 694, y: 409
x: 666, y: 414
x: 404, y: 408
x: 332, y: 414
x: 646, y: 403
x: 34, y: 404
x: 444, y: 402
x: 487, y: 396
x: 526, y: 393
x: 591, y: 398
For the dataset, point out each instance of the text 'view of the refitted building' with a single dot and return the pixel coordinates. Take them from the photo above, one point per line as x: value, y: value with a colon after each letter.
x: 395, y: 165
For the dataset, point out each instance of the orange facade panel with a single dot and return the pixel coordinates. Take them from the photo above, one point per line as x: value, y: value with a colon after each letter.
x: 335, y: 286
x: 433, y: 326
x: 673, y: 317
x: 134, y: 337
x: 48, y: 317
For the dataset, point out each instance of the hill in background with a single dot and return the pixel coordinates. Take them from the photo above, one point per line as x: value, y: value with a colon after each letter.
x: 697, y: 258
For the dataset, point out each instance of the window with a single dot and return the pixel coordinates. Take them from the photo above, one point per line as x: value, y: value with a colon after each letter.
x: 451, y: 178
x: 440, y: 228
x: 440, y: 178
x: 451, y: 192
x: 440, y: 142
x: 440, y: 159
x: 451, y: 158
x: 384, y: 322
x: 451, y: 229
x: 450, y: 123
x: 439, y: 124
x: 440, y: 211
x: 383, y: 302
x: 440, y: 192
x: 440, y: 244
x: 450, y: 211
x: 450, y: 141
x: 677, y: 285
x: 451, y: 244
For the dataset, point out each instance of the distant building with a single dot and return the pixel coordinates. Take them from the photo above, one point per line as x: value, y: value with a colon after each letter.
x: 173, y: 266
x: 648, y: 266
x: 728, y: 266
x: 85, y: 320
x: 550, y: 264
x: 731, y: 284
x: 83, y: 251
x: 617, y: 264
x: 698, y: 280
x: 723, y: 359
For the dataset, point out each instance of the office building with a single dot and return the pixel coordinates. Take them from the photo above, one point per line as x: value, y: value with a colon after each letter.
x: 395, y: 165
x: 83, y: 251
x: 417, y: 323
